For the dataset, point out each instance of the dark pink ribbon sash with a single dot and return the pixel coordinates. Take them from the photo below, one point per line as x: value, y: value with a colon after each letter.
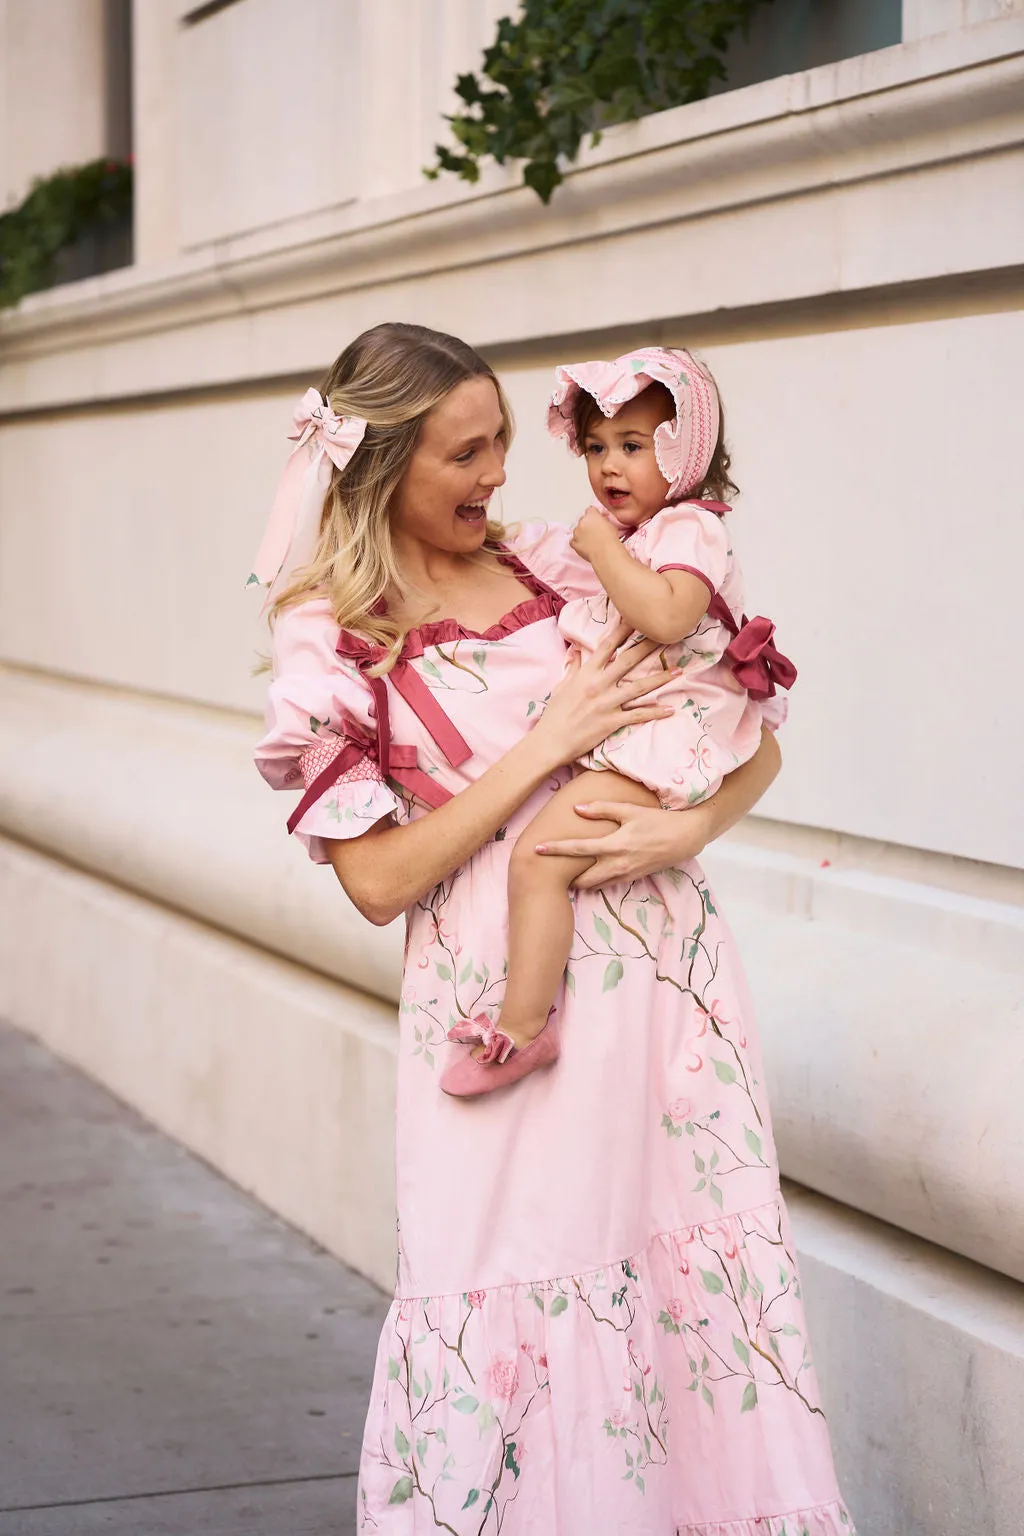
x: 395, y: 760
x: 755, y: 659
x: 428, y: 711
x: 403, y: 769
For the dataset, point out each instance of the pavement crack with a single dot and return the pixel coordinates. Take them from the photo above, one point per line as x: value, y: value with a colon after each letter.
x: 177, y: 1493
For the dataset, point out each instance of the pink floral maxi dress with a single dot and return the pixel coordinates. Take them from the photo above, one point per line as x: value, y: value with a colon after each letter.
x: 597, y: 1327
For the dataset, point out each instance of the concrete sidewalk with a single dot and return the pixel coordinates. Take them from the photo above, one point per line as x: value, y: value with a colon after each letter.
x: 174, y: 1361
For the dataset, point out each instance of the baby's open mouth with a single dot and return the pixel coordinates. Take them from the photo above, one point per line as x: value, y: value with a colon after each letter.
x: 615, y: 498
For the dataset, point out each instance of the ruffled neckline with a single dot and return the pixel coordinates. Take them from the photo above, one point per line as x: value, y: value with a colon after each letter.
x: 544, y: 604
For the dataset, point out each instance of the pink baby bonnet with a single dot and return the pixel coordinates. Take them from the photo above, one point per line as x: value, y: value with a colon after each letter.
x: 684, y: 447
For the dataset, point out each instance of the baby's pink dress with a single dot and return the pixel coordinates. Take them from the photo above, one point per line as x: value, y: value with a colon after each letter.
x: 597, y: 1327
x: 717, y: 724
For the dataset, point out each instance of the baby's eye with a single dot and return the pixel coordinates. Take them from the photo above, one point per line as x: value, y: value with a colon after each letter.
x: 593, y: 448
x: 632, y: 447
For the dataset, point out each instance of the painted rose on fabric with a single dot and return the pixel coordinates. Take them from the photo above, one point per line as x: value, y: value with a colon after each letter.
x: 503, y: 1377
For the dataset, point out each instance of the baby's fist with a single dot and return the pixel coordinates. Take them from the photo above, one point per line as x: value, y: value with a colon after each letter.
x: 592, y: 533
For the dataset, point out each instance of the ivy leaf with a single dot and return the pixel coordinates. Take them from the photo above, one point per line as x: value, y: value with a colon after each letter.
x: 559, y: 1305
x: 401, y: 1443
x: 471, y: 1498
x: 749, y: 1397
x: 741, y: 1349
x: 401, y: 1491
x: 392, y: 1368
x: 602, y: 928
x: 465, y: 1404
x: 712, y: 1282
x: 753, y: 1140
x: 724, y: 1071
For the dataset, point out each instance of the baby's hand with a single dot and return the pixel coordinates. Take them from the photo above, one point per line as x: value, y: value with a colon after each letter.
x: 593, y: 533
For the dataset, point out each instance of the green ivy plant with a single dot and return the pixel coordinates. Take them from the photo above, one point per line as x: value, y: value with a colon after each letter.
x: 59, y: 210
x: 568, y: 68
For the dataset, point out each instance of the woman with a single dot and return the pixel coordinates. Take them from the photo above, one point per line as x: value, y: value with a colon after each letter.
x: 597, y: 1325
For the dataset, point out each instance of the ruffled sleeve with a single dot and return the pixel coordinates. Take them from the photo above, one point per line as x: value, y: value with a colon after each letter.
x: 318, y: 707
x: 685, y: 537
x: 546, y: 549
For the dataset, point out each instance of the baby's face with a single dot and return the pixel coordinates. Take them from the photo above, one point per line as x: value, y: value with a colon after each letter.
x: 624, y: 473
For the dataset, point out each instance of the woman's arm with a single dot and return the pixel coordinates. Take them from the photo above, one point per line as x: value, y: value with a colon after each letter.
x: 389, y: 867
x: 646, y: 841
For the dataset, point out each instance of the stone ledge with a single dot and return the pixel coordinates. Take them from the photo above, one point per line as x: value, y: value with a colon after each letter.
x: 718, y: 169
x: 281, y: 1079
x: 916, y: 1124
x: 921, y: 1361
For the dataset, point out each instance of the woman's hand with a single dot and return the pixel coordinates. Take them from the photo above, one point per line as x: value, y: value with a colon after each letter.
x: 598, y: 697
x: 648, y: 840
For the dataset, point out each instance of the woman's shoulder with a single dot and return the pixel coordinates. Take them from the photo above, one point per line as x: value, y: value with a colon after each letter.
x: 547, y: 549
x: 304, y: 637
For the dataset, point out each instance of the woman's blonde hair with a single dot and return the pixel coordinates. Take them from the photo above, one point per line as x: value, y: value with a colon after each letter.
x: 392, y: 375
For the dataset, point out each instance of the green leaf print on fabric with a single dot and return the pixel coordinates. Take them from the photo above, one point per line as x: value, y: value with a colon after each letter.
x: 402, y: 1491
x: 613, y: 975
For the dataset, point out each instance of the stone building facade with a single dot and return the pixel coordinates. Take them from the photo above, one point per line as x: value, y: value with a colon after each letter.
x: 845, y: 243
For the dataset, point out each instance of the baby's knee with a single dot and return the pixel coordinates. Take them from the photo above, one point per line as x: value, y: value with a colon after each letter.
x: 531, y: 871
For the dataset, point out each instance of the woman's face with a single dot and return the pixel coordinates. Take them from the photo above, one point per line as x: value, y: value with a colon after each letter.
x: 456, y: 464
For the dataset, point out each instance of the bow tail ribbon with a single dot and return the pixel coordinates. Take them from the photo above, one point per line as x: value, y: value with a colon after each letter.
x: 430, y: 714
x: 405, y: 771
x: 347, y: 758
x: 293, y: 529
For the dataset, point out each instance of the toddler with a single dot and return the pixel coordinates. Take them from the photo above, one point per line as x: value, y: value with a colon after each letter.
x: 649, y: 426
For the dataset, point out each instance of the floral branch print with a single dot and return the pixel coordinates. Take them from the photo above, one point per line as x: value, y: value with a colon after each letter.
x: 696, y: 953
x: 476, y: 672
x: 497, y: 1398
x: 754, y: 1337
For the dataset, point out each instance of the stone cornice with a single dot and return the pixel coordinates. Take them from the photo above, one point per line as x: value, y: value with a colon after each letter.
x: 920, y: 107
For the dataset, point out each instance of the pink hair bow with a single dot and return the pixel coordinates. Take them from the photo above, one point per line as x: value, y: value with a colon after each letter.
x: 293, y: 528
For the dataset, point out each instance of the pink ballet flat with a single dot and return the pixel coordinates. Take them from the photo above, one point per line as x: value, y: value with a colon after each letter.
x: 470, y: 1076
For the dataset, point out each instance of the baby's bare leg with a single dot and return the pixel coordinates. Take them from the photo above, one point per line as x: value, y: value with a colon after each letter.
x: 540, y: 920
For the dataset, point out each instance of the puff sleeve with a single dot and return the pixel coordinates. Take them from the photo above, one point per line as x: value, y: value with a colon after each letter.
x: 318, y: 706
x: 685, y: 537
x: 546, y: 549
